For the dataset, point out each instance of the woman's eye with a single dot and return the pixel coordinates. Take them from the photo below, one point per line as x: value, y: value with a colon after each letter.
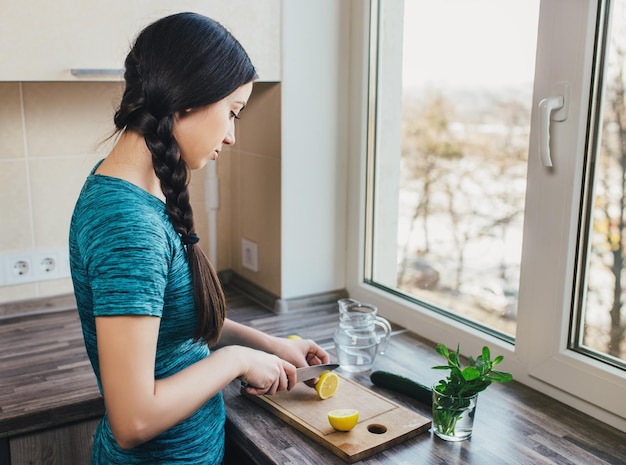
x: 232, y: 114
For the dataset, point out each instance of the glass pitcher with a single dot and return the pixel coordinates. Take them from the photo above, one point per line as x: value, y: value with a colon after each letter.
x: 361, y: 335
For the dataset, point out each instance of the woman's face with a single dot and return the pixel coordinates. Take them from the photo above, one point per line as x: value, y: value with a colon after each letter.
x: 201, y: 132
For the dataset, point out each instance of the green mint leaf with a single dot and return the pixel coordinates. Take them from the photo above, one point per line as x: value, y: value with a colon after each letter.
x: 470, y: 373
x: 482, y: 366
x: 501, y: 376
x: 486, y: 353
x: 442, y: 350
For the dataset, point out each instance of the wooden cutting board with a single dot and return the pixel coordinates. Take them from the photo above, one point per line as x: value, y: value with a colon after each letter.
x: 382, y: 423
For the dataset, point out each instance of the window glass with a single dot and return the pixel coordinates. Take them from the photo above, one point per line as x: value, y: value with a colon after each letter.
x: 465, y: 226
x: 602, y: 317
x: 448, y: 207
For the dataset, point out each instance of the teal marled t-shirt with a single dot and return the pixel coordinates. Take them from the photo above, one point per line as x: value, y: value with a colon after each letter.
x: 126, y: 259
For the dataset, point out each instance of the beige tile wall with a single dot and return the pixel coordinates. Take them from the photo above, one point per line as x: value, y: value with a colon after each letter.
x: 256, y: 187
x: 51, y: 135
x: 249, y: 188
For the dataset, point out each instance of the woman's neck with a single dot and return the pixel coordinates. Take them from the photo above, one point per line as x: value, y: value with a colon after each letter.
x: 131, y: 160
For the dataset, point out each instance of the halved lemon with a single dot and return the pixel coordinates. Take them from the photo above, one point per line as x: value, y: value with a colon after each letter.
x: 343, y: 419
x: 327, y: 385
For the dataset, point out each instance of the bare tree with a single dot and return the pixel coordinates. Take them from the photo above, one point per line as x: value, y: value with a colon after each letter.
x: 437, y: 161
x: 611, y: 203
x: 426, y: 141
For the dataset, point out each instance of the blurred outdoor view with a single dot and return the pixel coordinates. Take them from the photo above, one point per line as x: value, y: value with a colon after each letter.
x: 603, y: 318
x: 467, y: 95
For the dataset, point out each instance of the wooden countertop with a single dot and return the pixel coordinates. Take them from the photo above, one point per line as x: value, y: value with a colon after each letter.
x: 46, y: 380
x: 513, y: 424
x: 45, y: 377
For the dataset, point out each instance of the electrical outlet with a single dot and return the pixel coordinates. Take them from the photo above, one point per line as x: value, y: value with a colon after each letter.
x: 249, y: 255
x: 18, y: 269
x: 51, y: 264
x: 34, y: 265
x: 46, y: 265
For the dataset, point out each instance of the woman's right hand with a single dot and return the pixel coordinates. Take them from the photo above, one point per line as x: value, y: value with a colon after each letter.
x: 265, y: 373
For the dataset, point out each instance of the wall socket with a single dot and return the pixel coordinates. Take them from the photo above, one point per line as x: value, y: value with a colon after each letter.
x: 249, y: 255
x: 34, y: 265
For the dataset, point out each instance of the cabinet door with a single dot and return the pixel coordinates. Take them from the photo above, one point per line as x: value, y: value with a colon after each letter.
x: 43, y: 40
x: 59, y: 446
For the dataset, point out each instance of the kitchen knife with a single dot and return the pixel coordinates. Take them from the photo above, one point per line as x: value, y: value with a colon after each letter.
x: 306, y: 373
x: 310, y: 372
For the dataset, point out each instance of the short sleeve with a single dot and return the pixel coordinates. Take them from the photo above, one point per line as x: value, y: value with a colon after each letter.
x: 126, y: 258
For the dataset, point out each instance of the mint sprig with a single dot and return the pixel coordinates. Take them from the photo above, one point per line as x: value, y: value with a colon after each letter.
x: 471, y: 379
x: 463, y: 383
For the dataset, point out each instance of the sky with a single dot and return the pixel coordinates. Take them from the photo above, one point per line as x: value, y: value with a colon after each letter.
x: 470, y: 41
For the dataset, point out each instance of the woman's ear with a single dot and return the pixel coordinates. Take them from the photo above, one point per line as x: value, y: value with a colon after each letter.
x: 182, y: 114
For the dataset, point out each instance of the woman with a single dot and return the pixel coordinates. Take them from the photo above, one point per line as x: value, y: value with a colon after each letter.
x: 150, y: 303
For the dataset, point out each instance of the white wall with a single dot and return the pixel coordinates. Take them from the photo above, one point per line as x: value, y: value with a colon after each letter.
x: 314, y: 113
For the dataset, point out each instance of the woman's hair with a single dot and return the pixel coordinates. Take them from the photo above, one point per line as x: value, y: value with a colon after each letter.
x: 179, y: 62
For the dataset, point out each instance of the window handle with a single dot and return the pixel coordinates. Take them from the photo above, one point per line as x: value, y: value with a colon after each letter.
x: 547, y: 106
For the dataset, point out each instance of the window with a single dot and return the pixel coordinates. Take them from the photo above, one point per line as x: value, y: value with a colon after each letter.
x: 450, y: 192
x: 467, y: 235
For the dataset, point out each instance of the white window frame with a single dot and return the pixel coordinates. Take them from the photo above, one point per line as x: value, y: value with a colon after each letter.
x: 540, y: 357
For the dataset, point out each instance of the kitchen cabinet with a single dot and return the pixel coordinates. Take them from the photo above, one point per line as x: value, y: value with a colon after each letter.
x: 57, y: 446
x: 72, y: 444
x: 44, y: 41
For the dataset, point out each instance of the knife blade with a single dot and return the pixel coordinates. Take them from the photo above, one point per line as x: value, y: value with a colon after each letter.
x: 310, y: 372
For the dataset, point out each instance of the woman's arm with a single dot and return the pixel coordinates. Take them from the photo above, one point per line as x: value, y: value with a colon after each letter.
x: 300, y: 352
x: 234, y: 333
x: 140, y: 407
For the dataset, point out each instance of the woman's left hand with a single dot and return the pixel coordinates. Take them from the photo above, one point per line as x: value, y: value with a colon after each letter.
x: 300, y: 352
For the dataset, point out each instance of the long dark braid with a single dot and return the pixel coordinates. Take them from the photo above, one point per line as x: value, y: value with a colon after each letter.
x: 179, y: 62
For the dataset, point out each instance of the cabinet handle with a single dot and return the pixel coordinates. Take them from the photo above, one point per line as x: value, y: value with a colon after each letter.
x: 79, y: 72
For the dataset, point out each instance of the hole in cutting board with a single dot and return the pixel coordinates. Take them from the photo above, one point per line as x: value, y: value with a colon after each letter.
x: 377, y: 428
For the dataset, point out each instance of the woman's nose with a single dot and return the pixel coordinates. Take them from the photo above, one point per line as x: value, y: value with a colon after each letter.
x: 229, y: 138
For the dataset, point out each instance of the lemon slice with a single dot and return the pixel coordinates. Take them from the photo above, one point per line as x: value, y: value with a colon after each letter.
x: 327, y: 385
x: 343, y: 419
x: 293, y: 336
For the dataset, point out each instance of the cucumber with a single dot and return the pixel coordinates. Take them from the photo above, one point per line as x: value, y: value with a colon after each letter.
x: 403, y: 385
